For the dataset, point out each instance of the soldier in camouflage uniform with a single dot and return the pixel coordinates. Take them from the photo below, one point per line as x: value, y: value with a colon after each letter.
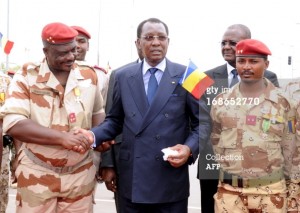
x: 46, y: 104
x: 251, y: 138
x: 4, y: 173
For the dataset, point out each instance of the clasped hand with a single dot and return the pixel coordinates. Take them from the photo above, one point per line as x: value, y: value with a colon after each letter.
x: 81, y: 140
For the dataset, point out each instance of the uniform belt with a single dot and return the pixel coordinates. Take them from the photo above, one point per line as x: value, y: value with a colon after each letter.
x: 61, y: 170
x: 237, y: 181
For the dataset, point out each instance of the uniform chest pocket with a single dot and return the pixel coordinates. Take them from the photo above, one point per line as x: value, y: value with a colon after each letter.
x: 277, y: 129
x: 229, y: 133
x: 271, y: 137
x: 272, y: 132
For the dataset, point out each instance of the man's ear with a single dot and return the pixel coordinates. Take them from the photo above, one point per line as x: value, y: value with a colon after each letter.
x: 45, y: 50
x: 138, y: 43
x: 267, y: 62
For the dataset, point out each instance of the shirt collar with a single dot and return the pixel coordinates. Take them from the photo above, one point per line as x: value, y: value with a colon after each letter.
x: 270, y: 93
x: 161, y: 66
x: 229, y: 68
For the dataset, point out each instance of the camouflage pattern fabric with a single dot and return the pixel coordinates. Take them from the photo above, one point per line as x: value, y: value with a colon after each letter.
x: 251, y: 139
x: 35, y: 93
x: 4, y: 173
x: 293, y: 91
x: 103, y: 78
x: 42, y: 190
x: 4, y: 180
x: 231, y: 201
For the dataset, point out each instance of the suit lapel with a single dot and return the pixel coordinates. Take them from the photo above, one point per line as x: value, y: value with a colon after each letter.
x: 137, y: 89
x: 221, y: 77
x: 167, y: 85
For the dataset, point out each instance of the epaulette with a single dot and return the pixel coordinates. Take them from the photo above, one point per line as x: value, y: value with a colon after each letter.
x: 285, y: 101
x: 100, y: 68
x: 280, y: 92
x: 81, y: 65
x: 29, y: 65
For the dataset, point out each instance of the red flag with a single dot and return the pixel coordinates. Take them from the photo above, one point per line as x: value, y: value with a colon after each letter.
x: 8, y: 46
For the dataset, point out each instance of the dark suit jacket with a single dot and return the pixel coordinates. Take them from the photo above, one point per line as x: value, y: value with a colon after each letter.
x: 173, y: 118
x: 110, y: 157
x: 220, y: 76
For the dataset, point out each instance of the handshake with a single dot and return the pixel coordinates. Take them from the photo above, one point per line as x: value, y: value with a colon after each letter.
x: 82, y: 140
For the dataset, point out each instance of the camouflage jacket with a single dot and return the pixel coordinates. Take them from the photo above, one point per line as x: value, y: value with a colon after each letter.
x: 35, y: 93
x: 253, y: 139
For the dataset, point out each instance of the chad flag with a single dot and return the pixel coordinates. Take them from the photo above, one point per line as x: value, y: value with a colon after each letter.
x: 195, y: 81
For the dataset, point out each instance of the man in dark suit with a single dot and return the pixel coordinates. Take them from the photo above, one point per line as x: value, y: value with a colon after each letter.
x: 223, y: 76
x: 109, y: 172
x: 168, y: 119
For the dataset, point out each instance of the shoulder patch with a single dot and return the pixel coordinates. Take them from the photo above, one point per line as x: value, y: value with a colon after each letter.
x: 285, y: 101
x: 29, y: 65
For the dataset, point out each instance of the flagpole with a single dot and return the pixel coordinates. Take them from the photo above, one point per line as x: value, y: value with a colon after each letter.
x: 7, y: 58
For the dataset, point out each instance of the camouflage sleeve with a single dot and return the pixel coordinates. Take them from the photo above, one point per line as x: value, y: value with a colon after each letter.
x: 288, y: 144
x: 103, y: 80
x: 295, y: 171
x: 16, y: 105
x: 98, y: 108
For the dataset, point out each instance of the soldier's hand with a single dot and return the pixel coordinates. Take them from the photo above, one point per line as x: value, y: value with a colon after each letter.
x: 88, y: 142
x: 88, y: 134
x: 181, y: 158
x: 76, y: 142
x: 108, y: 175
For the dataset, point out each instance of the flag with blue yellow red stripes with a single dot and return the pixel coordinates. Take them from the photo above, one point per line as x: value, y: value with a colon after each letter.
x: 195, y: 81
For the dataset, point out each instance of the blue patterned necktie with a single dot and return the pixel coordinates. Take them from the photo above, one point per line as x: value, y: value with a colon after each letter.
x: 235, y: 78
x: 152, y: 85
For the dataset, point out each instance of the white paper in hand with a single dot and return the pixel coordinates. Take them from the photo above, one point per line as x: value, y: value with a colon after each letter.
x: 167, y: 152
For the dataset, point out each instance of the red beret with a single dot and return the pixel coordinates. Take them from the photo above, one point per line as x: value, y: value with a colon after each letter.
x: 82, y: 31
x: 58, y: 33
x: 252, y: 47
